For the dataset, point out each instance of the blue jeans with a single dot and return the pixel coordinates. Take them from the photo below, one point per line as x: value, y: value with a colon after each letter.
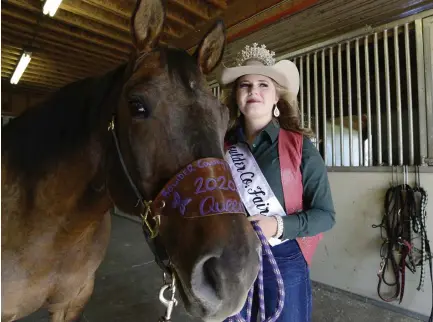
x: 297, y: 284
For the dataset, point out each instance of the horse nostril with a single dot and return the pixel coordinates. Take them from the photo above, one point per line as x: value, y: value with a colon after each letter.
x: 211, y: 276
x: 207, y: 281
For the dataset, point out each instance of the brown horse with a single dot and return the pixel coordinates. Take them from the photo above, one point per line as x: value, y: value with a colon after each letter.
x: 122, y: 140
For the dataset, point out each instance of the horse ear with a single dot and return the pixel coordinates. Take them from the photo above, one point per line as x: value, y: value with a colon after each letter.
x: 210, y: 51
x: 146, y: 24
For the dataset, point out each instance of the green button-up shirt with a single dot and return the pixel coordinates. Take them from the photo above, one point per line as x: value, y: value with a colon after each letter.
x: 318, y: 214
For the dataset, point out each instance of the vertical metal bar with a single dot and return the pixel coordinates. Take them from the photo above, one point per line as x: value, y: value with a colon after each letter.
x: 316, y: 101
x: 378, y: 110
x: 358, y: 100
x: 388, y: 97
x: 398, y: 90
x: 422, y: 110
x: 349, y: 101
x: 308, y: 93
x: 331, y: 67
x: 368, y: 102
x: 325, y: 139
x: 409, y: 93
x: 340, y: 99
x: 301, y: 72
x: 427, y: 25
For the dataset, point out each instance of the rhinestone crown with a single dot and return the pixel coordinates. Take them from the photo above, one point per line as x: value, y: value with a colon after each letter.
x: 257, y: 53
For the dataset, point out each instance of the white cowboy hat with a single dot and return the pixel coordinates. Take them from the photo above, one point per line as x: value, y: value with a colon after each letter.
x: 259, y: 61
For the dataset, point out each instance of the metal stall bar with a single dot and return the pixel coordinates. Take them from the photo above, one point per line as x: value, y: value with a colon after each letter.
x: 349, y: 101
x: 368, y: 102
x: 409, y: 93
x: 358, y: 99
x: 331, y: 68
x: 378, y: 111
x: 398, y: 98
x: 325, y: 154
x: 301, y: 72
x: 340, y: 98
x: 316, y: 101
x: 428, y: 65
x: 421, y: 89
x: 308, y: 93
x: 388, y: 97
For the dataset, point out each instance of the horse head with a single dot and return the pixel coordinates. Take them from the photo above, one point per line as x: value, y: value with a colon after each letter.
x: 168, y: 132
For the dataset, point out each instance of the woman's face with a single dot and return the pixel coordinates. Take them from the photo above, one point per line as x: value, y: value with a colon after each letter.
x: 256, y: 95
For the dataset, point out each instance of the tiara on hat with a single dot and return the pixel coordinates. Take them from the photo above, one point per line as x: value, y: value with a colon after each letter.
x: 257, y: 53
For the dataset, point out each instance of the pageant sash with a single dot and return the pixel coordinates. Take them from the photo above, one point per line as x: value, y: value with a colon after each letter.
x: 256, y: 194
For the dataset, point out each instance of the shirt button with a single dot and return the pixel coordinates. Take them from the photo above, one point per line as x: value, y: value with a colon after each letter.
x: 254, y: 145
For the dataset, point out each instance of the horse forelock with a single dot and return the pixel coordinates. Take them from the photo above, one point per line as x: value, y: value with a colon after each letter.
x: 203, y: 115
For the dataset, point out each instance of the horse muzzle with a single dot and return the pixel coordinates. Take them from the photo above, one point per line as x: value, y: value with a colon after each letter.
x: 201, y: 223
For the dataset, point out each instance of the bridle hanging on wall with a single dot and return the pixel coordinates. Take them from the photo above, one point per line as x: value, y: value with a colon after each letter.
x: 403, y: 223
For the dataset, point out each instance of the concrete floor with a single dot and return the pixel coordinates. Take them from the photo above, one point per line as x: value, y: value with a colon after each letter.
x: 128, y: 283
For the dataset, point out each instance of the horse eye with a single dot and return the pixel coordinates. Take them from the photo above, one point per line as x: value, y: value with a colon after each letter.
x: 138, y: 108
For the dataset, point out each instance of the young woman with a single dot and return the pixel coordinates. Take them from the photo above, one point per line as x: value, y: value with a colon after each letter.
x: 279, y: 173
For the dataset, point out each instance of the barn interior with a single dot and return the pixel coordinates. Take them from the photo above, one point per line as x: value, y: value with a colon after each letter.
x: 86, y: 38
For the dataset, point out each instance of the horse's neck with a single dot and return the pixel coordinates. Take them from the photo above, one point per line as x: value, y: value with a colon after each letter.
x: 69, y: 188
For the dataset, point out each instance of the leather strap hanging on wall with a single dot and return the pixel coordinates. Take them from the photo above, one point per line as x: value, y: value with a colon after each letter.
x: 404, y: 234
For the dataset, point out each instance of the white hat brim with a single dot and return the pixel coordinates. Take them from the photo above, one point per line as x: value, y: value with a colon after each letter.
x: 284, y: 72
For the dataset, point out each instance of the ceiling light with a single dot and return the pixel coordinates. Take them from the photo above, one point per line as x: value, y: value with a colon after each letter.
x: 21, y: 67
x: 51, y: 6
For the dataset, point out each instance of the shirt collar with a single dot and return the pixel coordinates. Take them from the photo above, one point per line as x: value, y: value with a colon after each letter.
x: 271, y: 132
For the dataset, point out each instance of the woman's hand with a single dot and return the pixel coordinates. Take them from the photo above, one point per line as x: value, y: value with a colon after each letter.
x: 268, y: 224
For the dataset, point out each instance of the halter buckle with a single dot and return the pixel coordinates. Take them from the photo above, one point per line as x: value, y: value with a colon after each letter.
x: 153, y: 231
x: 111, y: 124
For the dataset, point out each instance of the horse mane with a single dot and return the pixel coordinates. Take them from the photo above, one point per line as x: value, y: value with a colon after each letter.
x: 51, y: 130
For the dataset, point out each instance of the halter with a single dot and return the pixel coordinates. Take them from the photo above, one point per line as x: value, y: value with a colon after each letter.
x: 205, y: 187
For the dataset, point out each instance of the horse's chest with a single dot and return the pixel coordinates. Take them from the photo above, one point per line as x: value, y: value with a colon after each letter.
x: 83, y: 247
x: 60, y: 254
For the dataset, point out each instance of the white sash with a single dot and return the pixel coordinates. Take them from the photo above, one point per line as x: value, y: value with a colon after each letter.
x: 255, y: 192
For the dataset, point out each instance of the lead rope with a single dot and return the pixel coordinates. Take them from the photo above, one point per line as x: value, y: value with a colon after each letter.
x: 266, y: 253
x: 418, y: 223
x: 426, y: 254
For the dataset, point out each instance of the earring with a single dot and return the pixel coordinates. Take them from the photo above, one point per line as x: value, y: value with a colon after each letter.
x: 276, y: 111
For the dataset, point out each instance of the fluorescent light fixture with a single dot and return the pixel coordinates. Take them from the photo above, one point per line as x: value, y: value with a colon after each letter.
x: 51, y: 6
x: 21, y: 67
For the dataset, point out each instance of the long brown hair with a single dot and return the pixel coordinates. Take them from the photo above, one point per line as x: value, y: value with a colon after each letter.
x: 289, y: 119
